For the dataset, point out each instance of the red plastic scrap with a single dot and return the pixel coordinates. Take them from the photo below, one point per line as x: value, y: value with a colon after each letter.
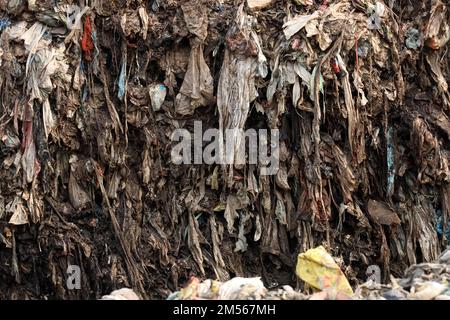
x: 431, y: 43
x: 295, y: 44
x: 87, y: 44
x: 27, y: 127
x: 337, y: 68
x: 324, y: 5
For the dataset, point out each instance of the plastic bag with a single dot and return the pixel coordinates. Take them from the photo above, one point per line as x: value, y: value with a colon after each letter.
x: 317, y: 268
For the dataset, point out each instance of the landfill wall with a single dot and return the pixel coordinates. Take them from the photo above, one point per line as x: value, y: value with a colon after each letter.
x: 91, y: 93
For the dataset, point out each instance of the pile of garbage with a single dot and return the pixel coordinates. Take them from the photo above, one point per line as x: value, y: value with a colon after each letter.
x: 425, y: 281
x: 235, y: 289
x: 92, y: 92
x: 121, y: 294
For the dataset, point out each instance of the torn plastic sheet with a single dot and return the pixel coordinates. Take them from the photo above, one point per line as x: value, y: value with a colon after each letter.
x: 414, y: 39
x: 312, y: 83
x: 157, y: 94
x: 241, y: 243
x: 144, y: 21
x: 45, y: 65
x: 32, y: 37
x: 4, y: 23
x: 121, y: 81
x: 236, y: 88
x: 390, y: 162
x: 375, y: 19
x: 320, y: 193
x: 48, y: 118
x: 197, y: 89
x: 19, y: 211
x: 437, y: 31
x: 72, y: 15
x: 294, y: 25
x: 382, y: 214
x: 16, y: 30
x: 438, y: 76
x: 442, y: 229
x: 29, y: 161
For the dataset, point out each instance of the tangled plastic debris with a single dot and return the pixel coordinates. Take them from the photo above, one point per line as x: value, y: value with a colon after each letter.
x: 93, y: 92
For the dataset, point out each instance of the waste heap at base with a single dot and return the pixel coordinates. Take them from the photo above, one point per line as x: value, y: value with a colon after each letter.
x: 425, y: 281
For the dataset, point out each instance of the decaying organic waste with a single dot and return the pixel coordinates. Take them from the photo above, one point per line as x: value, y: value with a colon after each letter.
x: 91, y: 92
